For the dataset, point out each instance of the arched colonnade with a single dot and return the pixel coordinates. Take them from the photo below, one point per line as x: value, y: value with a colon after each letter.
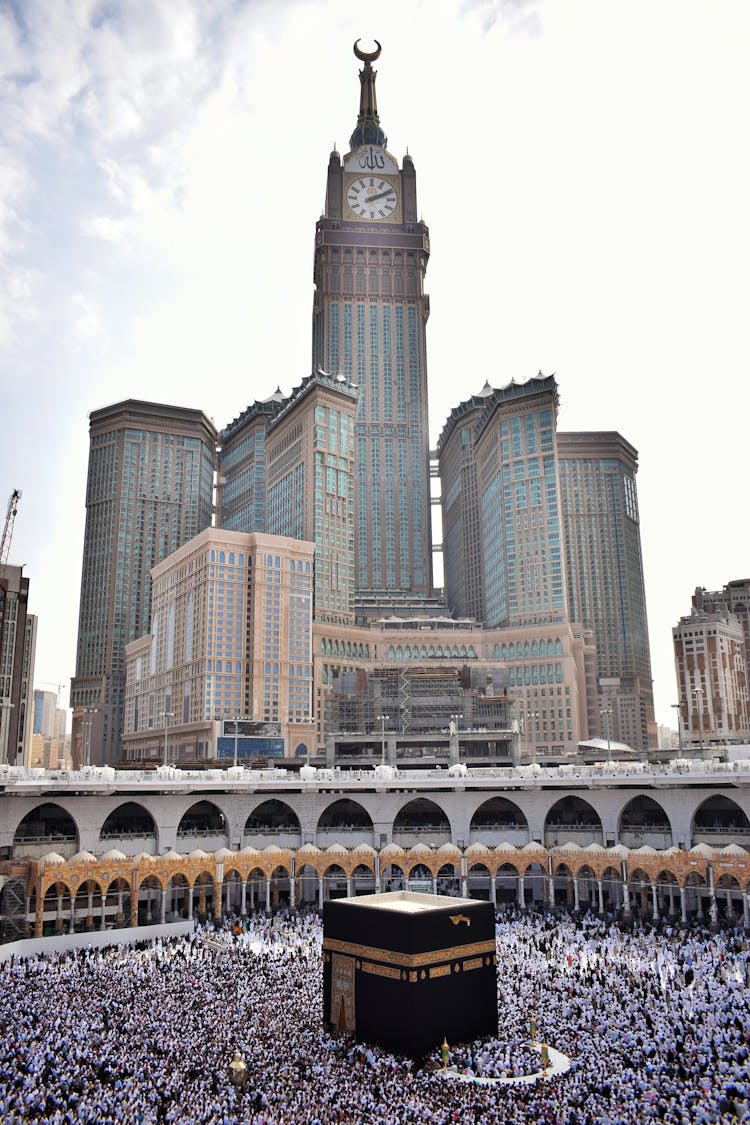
x: 84, y: 893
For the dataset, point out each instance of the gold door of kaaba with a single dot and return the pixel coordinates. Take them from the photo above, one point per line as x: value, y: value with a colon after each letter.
x: 342, y: 993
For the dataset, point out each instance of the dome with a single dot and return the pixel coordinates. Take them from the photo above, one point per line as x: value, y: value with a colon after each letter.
x: 420, y: 849
x: 114, y: 855
x: 449, y: 849
x: 309, y: 849
x: 392, y: 849
x: 337, y: 849
x: 224, y: 853
x: 199, y: 853
x: 83, y: 857
x: 477, y: 849
x: 506, y: 847
x: 362, y: 849
x: 171, y: 854
x: 52, y: 857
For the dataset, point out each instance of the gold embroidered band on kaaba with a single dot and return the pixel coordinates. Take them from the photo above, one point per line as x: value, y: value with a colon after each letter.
x: 409, y: 960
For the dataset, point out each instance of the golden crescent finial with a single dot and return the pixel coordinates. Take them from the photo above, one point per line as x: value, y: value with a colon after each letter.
x: 367, y: 56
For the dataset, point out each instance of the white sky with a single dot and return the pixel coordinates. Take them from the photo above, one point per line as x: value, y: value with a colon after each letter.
x: 582, y: 165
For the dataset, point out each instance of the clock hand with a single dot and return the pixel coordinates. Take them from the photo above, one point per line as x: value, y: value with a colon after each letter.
x: 380, y: 195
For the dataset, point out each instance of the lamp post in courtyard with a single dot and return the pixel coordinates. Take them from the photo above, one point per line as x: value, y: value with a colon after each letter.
x: 167, y: 716
x: 383, y: 720
x: 88, y: 722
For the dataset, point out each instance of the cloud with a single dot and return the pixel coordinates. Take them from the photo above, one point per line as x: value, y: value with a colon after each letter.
x: 108, y: 97
x: 519, y: 16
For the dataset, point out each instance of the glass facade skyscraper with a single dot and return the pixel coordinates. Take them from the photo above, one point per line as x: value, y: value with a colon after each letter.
x: 149, y: 490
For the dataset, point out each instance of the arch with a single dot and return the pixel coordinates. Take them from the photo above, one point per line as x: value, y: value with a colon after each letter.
x: 393, y: 877
x: 719, y: 821
x: 117, y: 904
x: 478, y: 880
x: 82, y: 912
x: 272, y: 818
x: 421, y: 821
x: 498, y: 816
x: 728, y: 896
x: 202, y: 819
x: 128, y: 821
x: 644, y: 821
x: 507, y: 883
x: 202, y: 895
x: 363, y: 880
x: 178, y: 891
x: 56, y: 909
x: 572, y: 819
x: 149, y: 897
x: 47, y: 827
x: 345, y: 815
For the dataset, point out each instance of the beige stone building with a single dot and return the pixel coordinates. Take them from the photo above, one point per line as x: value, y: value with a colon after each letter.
x: 711, y: 672
x: 231, y: 639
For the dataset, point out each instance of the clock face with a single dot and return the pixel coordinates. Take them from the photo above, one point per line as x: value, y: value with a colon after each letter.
x: 372, y: 197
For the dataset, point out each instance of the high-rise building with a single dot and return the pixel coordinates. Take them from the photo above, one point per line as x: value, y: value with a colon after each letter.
x: 369, y: 316
x: 732, y: 598
x: 604, y: 569
x: 231, y: 640
x: 519, y: 506
x: 17, y: 652
x: 241, y: 467
x: 149, y: 490
x: 45, y: 713
x: 310, y: 485
x: 712, y: 681
x: 462, y: 537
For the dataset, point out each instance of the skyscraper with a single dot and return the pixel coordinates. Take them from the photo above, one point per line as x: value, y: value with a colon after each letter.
x: 604, y: 571
x: 17, y: 652
x: 519, y: 505
x: 369, y: 317
x: 149, y: 490
x: 231, y: 638
x: 310, y: 462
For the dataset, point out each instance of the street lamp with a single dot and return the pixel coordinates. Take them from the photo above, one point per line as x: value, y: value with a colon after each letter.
x: 678, y: 709
x: 533, y: 717
x: 453, y: 748
x: 167, y: 716
x: 606, y: 713
x: 7, y: 707
x: 237, y: 719
x: 383, y: 720
x: 698, y: 693
x: 88, y: 723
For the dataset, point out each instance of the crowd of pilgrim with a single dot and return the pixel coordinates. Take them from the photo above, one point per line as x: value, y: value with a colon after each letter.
x: 656, y: 1024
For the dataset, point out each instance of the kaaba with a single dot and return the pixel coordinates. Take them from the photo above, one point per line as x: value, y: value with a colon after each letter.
x: 407, y: 970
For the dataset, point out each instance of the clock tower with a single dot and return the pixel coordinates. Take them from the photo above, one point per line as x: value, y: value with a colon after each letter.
x: 369, y: 316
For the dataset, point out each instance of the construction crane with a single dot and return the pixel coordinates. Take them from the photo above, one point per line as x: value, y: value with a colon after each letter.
x: 10, y: 520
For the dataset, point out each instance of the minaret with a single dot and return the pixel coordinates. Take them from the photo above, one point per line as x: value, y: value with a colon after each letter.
x: 369, y: 318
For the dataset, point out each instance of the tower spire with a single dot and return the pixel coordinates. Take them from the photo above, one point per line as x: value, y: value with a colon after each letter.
x: 367, y: 131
